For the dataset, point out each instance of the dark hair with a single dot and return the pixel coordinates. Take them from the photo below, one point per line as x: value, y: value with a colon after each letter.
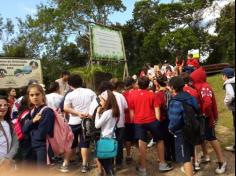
x: 9, y: 90
x: 32, y: 81
x: 129, y: 82
x: 65, y: 73
x: 8, y: 115
x: 185, y: 77
x: 105, y: 85
x: 75, y: 81
x: 53, y: 87
x: 143, y: 82
x: 114, y: 82
x: 177, y: 83
x: 190, y: 55
x: 23, y: 90
x: 169, y: 68
x: 111, y: 103
x: 161, y: 80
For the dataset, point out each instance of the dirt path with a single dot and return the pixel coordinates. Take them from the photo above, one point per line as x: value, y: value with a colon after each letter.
x: 225, y: 137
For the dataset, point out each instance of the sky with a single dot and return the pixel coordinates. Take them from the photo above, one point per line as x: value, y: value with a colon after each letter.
x: 20, y: 8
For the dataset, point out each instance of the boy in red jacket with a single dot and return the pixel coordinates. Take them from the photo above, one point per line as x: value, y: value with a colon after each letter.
x: 209, y: 109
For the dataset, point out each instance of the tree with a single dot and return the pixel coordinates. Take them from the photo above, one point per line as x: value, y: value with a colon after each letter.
x: 224, y: 48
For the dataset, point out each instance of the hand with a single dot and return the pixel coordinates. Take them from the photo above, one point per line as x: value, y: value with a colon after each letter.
x: 83, y: 115
x: 99, y: 109
x: 37, y: 118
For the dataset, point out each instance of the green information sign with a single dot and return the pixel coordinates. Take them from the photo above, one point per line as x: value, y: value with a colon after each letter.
x: 106, y: 44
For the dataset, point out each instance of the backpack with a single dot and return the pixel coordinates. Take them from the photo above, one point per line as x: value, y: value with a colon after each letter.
x: 89, y: 131
x: 194, y: 125
x: 17, y: 124
x: 63, y: 136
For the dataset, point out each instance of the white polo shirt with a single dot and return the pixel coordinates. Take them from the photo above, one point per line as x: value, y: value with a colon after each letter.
x: 121, y: 101
x: 54, y: 100
x: 80, y: 100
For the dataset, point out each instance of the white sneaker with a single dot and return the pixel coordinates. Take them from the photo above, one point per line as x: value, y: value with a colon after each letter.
x: 151, y: 143
x: 163, y: 167
x: 230, y: 148
x: 221, y: 168
x: 196, y: 166
x: 204, y: 160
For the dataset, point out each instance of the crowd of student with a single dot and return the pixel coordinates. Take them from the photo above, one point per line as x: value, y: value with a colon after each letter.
x: 151, y: 104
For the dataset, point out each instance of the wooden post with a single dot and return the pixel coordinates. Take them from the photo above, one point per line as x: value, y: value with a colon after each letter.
x: 126, y: 70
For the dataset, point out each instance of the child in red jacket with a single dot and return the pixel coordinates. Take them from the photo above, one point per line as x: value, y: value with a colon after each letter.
x: 209, y: 109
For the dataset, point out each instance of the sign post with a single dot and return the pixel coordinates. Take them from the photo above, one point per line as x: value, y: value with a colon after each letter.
x: 17, y: 73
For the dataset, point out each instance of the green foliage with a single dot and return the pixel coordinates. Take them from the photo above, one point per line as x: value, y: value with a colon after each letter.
x: 52, y: 69
x: 71, y: 54
x: 226, y: 30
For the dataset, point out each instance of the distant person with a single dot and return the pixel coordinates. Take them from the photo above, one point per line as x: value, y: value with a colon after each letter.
x: 192, y: 62
x: 63, y: 82
x: 54, y: 98
x: 229, y: 87
x: 11, y: 93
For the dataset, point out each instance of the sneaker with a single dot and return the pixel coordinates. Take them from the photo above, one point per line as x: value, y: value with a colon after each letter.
x: 204, y: 160
x: 64, y: 168
x: 163, y: 167
x: 196, y: 166
x: 221, y: 168
x: 141, y: 172
x: 85, y: 168
x: 230, y: 148
x: 128, y: 160
x: 151, y: 143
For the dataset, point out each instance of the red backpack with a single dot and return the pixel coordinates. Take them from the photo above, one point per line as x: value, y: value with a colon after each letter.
x: 63, y: 137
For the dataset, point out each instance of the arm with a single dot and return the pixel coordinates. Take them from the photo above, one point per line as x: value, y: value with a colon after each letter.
x: 69, y: 109
x: 101, y: 120
x: 14, y: 147
x: 46, y: 124
x: 158, y: 113
x: 229, y: 94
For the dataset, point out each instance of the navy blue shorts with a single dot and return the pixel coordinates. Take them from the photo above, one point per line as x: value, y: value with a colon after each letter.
x: 210, y: 134
x: 129, y: 132
x: 155, y: 128
x: 183, y: 150
x: 77, y: 131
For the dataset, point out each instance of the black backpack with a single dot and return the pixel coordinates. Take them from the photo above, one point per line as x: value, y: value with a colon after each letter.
x: 89, y: 131
x: 194, y: 125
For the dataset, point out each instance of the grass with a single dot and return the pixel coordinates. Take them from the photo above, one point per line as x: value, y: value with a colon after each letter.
x: 225, y: 127
x: 225, y: 116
